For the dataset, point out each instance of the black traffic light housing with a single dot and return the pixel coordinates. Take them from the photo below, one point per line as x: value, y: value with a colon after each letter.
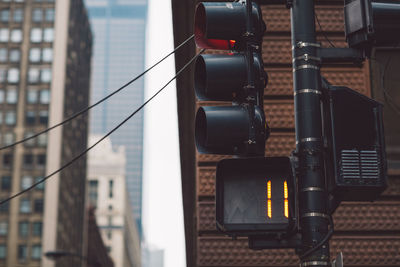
x: 239, y: 77
x: 255, y: 196
x: 356, y: 160
x: 222, y: 25
x: 224, y: 77
x: 372, y: 24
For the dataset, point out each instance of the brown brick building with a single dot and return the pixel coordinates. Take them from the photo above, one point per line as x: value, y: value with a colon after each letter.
x: 368, y: 234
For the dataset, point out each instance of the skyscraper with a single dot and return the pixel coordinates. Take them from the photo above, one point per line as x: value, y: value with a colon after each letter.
x: 119, y: 45
x: 45, y: 53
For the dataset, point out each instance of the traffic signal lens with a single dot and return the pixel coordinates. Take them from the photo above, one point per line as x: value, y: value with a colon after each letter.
x: 213, y: 125
x: 200, y: 32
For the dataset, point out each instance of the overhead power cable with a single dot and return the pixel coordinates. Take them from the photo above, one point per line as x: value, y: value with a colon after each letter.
x: 104, y: 137
x: 323, y: 32
x: 388, y: 97
x: 98, y: 102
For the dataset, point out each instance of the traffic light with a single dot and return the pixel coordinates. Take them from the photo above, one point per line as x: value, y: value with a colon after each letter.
x: 372, y: 24
x: 222, y: 25
x: 255, y: 196
x: 239, y: 77
x: 356, y: 160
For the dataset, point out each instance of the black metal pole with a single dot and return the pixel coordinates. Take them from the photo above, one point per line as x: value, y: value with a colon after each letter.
x: 314, y: 219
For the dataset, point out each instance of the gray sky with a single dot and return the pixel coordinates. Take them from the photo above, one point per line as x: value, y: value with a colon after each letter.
x: 163, y: 210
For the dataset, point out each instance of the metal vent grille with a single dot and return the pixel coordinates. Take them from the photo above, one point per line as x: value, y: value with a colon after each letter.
x: 364, y: 164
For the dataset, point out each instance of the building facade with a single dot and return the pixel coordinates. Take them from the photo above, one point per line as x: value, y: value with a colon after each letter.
x: 45, y: 53
x: 367, y: 233
x: 119, y: 33
x: 107, y: 193
x: 97, y: 254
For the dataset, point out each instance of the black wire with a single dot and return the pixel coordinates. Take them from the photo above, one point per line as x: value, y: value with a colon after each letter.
x: 97, y: 103
x: 323, y: 32
x: 388, y: 98
x: 322, y: 242
x: 104, y: 137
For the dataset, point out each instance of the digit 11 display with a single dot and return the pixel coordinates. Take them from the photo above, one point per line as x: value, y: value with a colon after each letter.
x: 253, y: 195
x: 285, y: 195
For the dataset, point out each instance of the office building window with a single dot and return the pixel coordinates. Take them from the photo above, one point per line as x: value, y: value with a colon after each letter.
x: 37, y: 15
x: 3, y: 251
x: 41, y: 185
x: 31, y: 96
x: 3, y: 35
x: 47, y: 54
x: 16, y: 35
x: 48, y: 35
x: 12, y: 96
x: 93, y: 184
x: 3, y: 228
x: 9, y: 138
x: 110, y: 188
x: 43, y: 117
x: 34, y: 55
x: 13, y: 75
x: 18, y: 15
x: 41, y: 160
x: 45, y: 75
x: 7, y: 160
x: 24, y: 205
x: 3, y: 54
x: 15, y: 55
x: 10, y: 118
x: 28, y: 161
x: 30, y: 117
x: 44, y: 96
x: 6, y: 182
x: 36, y: 35
x: 4, y: 15
x: 22, y: 252
x: 33, y: 75
x: 3, y: 73
x: 36, y: 252
x: 4, y: 207
x: 42, y: 140
x: 37, y: 229
x: 49, y: 16
x: 23, y: 229
x: 26, y: 182
x: 38, y: 205
x: 2, y: 94
x: 30, y: 142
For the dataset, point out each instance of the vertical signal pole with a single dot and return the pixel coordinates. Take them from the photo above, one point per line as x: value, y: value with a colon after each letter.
x: 313, y: 198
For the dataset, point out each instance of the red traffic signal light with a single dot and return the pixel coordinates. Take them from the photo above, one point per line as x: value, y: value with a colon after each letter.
x: 222, y: 25
x: 255, y: 196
